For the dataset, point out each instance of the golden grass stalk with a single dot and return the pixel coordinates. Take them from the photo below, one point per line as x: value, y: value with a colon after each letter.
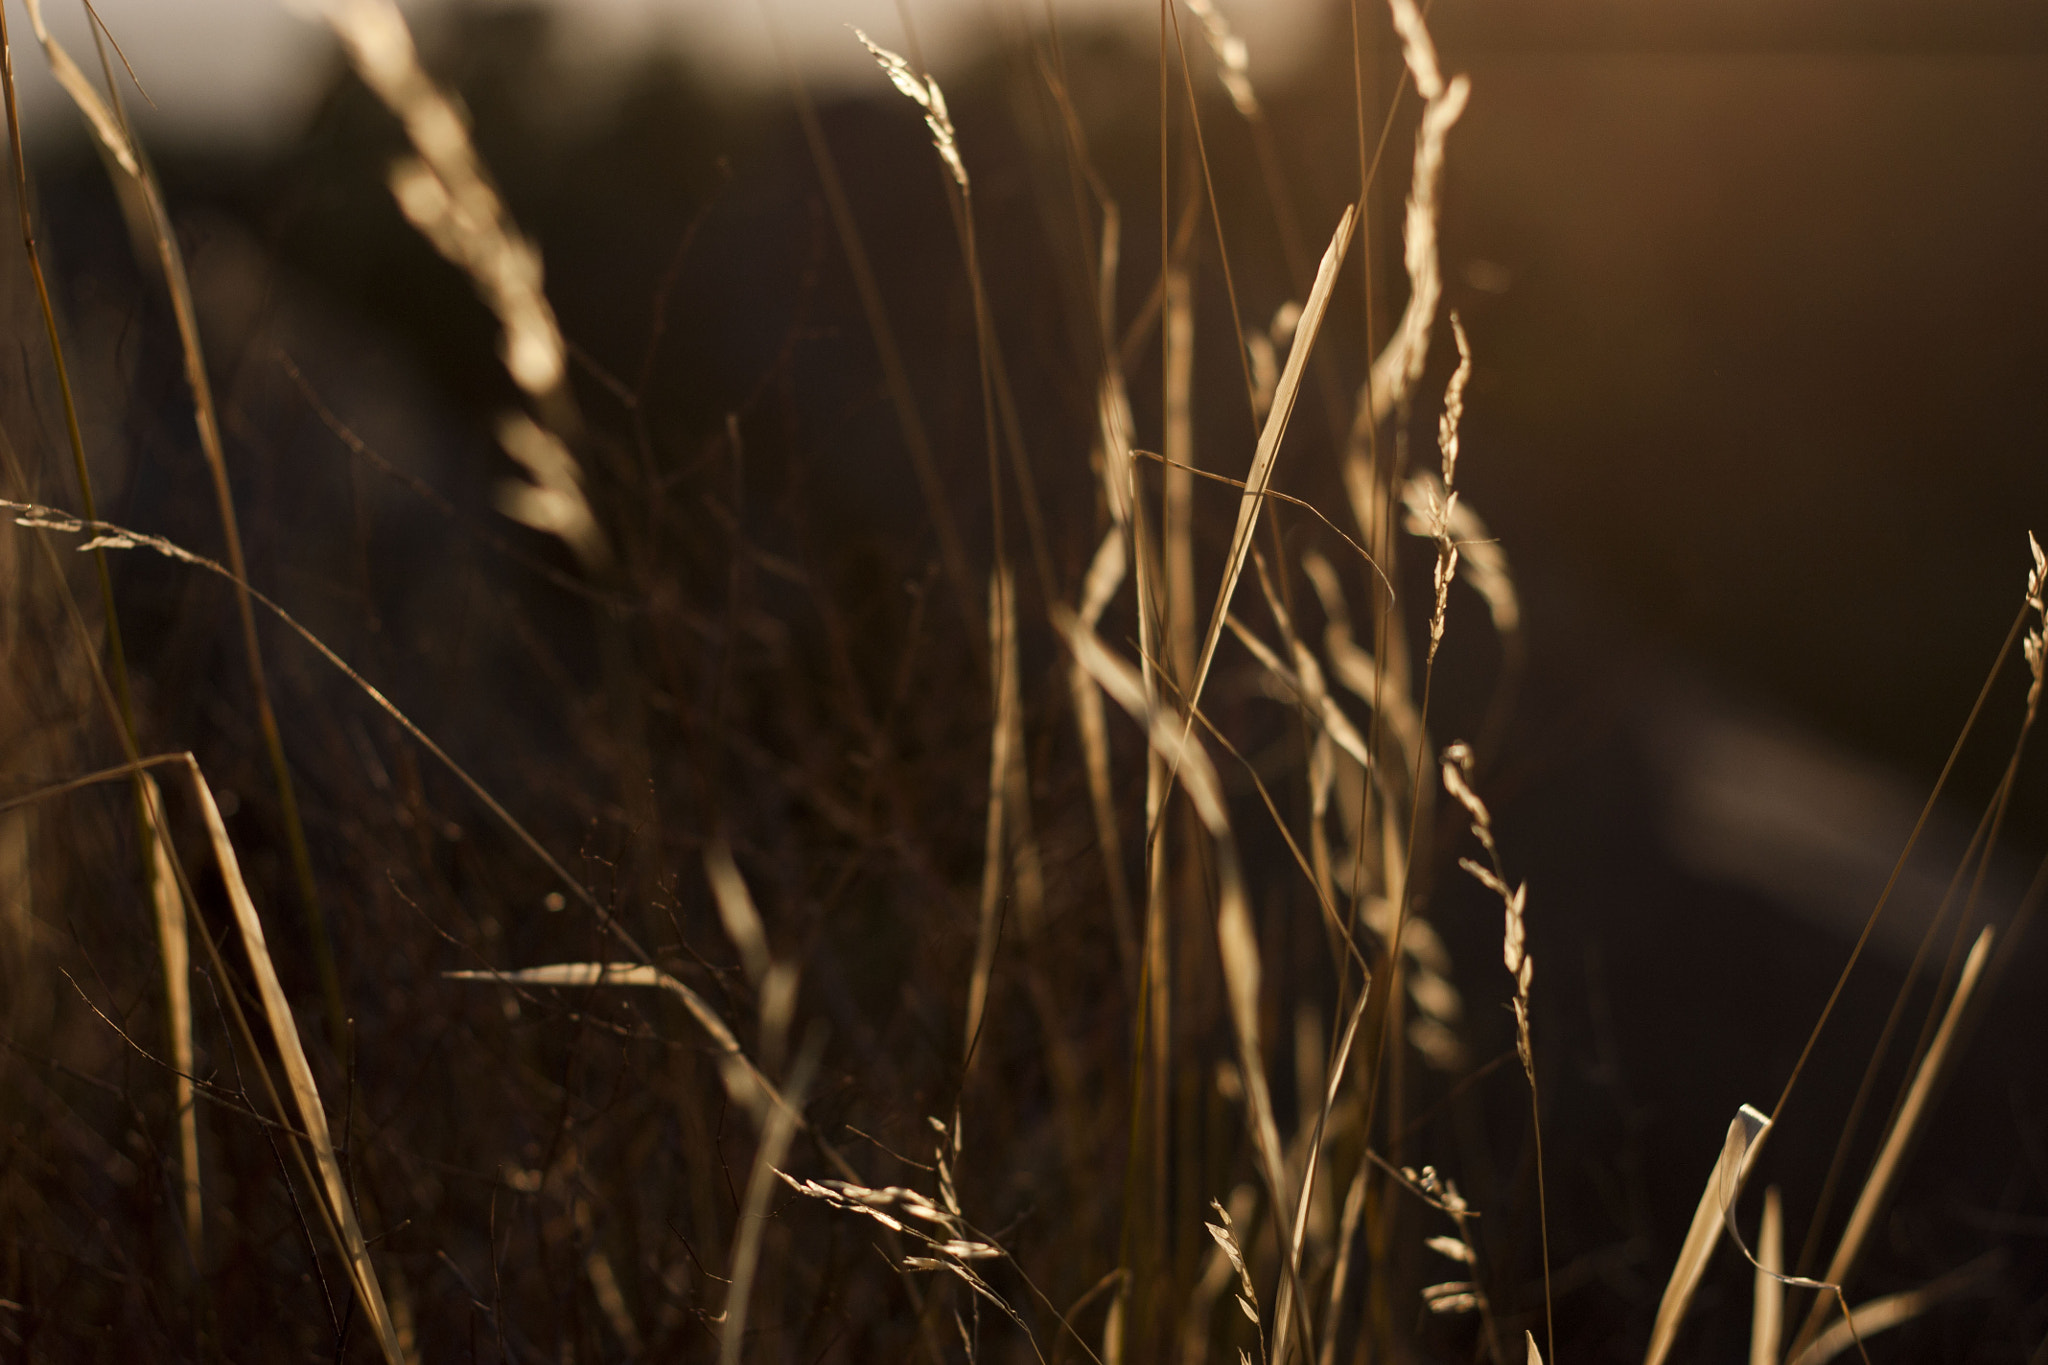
x: 1446, y: 500
x: 1216, y: 1274
x: 174, y: 948
x: 1356, y: 669
x: 1236, y: 939
x: 117, y: 655
x: 1746, y: 1135
x: 1306, y: 691
x: 1340, y: 1274
x: 916, y: 440
x: 1482, y: 563
x: 2035, y: 645
x: 1332, y: 729
x: 744, y: 1082
x: 611, y: 1299
x: 736, y: 910
x: 1002, y: 618
x: 775, y: 983
x: 1399, y: 365
x: 1891, y: 1155
x: 1105, y: 575
x: 1224, y: 1234
x: 776, y: 1135
x: 551, y: 501
x: 1177, y: 512
x: 112, y: 133
x: 1457, y: 767
x: 305, y: 1093
x: 1233, y: 59
x: 1767, y: 1318
x: 1268, y: 449
x: 925, y: 92
x: 445, y: 193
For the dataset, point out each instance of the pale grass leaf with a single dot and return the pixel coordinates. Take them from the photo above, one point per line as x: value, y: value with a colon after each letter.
x: 284, y: 1029
x: 1767, y: 1316
x: 1746, y: 1136
x: 736, y: 910
x: 1451, y: 1247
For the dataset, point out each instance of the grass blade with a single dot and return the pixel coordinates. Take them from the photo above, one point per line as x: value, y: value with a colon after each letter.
x: 1767, y: 1321
x: 1002, y: 618
x: 1268, y: 450
x: 111, y: 130
x: 305, y: 1093
x: 175, y: 949
x: 1891, y: 1155
x: 776, y: 1135
x: 1745, y: 1139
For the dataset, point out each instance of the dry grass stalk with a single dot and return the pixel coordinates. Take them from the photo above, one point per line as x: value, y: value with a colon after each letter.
x: 1463, y: 1248
x: 1002, y: 618
x: 1357, y: 670
x: 1237, y: 941
x: 1457, y: 768
x: 1879, y: 1315
x: 744, y: 1083
x: 111, y: 131
x: 1105, y: 574
x: 1746, y: 1135
x: 1340, y: 1273
x: 2036, y: 643
x: 1268, y: 449
x: 174, y: 950
x: 925, y: 92
x: 1224, y: 1234
x: 551, y: 501
x: 1177, y: 504
x: 339, y: 1206
x: 107, y: 536
x: 953, y: 1245
x: 445, y: 193
x: 916, y: 440
x: 1445, y: 501
x: 776, y: 1135
x: 1263, y: 349
x: 1233, y: 59
x: 736, y: 910
x: 774, y: 983
x: 1217, y: 1270
x: 1400, y: 363
x: 1767, y: 1318
x: 1482, y: 563
x: 1891, y: 1155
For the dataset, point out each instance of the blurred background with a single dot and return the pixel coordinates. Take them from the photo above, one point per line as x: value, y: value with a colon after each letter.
x: 1758, y: 298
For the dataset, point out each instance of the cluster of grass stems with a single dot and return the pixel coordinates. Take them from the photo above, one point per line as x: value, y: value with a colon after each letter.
x: 671, y: 1158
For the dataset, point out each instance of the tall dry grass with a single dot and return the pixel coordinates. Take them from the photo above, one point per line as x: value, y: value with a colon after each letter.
x: 809, y: 1035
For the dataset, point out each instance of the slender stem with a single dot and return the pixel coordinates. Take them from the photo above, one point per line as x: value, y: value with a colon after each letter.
x: 116, y: 653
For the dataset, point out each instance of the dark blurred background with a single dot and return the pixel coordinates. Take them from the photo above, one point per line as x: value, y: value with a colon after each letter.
x: 1758, y: 297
